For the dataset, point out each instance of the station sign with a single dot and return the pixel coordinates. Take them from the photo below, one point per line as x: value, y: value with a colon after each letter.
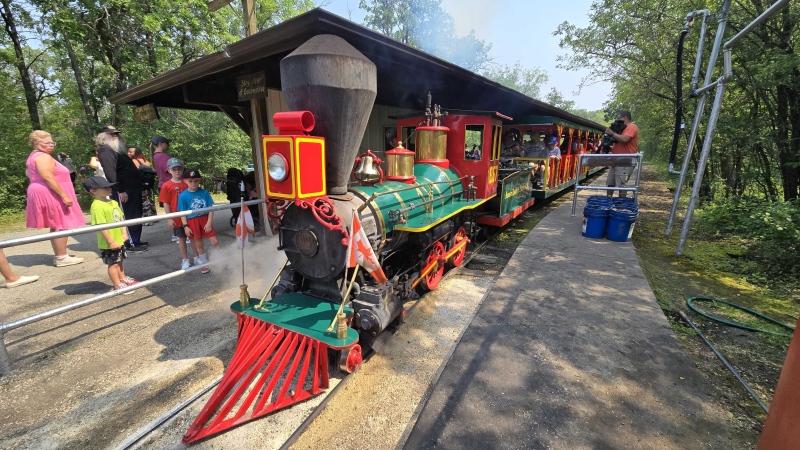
x: 249, y: 87
x: 145, y: 113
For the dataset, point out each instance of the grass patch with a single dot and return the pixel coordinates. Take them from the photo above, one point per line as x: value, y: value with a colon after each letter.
x: 12, y: 222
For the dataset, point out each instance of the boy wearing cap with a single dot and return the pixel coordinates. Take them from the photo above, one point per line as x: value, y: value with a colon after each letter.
x: 168, y: 195
x: 197, y: 226
x: 110, y: 242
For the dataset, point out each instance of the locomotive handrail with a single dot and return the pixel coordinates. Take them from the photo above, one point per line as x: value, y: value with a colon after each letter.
x: 395, y: 213
x: 417, y: 186
x: 5, y: 358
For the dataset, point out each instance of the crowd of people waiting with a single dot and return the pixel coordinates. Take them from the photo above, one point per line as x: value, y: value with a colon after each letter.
x: 122, y: 189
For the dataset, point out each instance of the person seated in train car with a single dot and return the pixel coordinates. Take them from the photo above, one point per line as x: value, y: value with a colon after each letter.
x: 564, y: 147
x: 511, y: 144
x: 553, y: 151
x: 391, y: 139
x: 533, y: 147
x: 473, y: 153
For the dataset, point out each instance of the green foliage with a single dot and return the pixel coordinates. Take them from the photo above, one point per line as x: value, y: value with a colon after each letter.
x: 770, y: 232
x: 78, y: 54
x: 522, y: 80
x: 425, y: 25
x: 633, y: 44
x: 14, y: 129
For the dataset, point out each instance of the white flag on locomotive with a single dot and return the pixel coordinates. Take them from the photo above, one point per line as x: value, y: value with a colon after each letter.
x: 244, y: 226
x: 359, y: 252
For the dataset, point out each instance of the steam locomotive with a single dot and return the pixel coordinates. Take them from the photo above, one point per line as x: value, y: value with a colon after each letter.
x: 418, y: 217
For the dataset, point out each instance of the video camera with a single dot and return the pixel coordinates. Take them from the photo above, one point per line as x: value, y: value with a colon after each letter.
x: 617, y: 126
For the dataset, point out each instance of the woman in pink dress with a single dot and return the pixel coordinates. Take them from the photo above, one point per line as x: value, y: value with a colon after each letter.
x: 51, y: 196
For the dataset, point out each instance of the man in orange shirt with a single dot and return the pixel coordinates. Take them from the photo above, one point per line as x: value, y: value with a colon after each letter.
x: 627, y: 143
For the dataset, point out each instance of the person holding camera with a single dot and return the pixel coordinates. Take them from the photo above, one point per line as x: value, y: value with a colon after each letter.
x: 627, y: 142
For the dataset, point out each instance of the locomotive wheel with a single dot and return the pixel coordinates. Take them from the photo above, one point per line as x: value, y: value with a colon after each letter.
x: 458, y: 258
x: 350, y: 359
x: 432, y: 279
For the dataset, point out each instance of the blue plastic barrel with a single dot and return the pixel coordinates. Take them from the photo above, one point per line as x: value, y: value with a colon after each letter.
x: 620, y: 224
x: 595, y: 218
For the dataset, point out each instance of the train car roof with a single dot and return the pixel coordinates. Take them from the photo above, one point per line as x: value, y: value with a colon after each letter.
x: 405, y: 74
x: 460, y: 112
x: 549, y: 120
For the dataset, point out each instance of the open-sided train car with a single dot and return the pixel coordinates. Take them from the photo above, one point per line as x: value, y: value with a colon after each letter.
x: 574, y: 139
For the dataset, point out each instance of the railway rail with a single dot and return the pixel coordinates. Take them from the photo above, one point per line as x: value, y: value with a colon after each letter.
x: 137, y: 439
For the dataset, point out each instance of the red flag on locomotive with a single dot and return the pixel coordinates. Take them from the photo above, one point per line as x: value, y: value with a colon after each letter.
x: 359, y: 252
x: 244, y: 226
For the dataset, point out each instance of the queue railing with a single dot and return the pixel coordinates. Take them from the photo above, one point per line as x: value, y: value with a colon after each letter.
x: 5, y: 358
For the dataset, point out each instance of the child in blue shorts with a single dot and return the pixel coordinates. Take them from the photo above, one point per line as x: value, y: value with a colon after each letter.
x: 111, y: 241
x: 197, y: 226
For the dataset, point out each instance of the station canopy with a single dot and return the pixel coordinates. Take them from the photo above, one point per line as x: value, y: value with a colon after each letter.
x: 405, y: 75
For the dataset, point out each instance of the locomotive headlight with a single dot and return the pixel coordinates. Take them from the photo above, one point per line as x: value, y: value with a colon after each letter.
x: 276, y: 166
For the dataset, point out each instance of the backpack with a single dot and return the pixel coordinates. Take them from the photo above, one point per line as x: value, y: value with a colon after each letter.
x: 148, y: 176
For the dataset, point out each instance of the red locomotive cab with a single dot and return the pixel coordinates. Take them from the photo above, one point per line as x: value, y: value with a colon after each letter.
x: 473, y: 148
x: 295, y: 161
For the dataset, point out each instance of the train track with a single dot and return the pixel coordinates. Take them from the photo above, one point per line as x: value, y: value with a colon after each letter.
x: 157, y: 424
x: 331, y: 393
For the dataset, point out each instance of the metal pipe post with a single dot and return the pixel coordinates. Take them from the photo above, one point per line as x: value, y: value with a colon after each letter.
x: 701, y: 166
x: 577, y: 182
x: 5, y: 358
x: 701, y: 104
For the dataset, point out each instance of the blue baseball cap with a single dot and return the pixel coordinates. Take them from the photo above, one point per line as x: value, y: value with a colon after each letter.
x: 174, y: 162
x: 552, y: 140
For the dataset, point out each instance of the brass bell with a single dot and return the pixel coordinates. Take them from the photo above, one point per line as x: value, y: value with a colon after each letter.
x: 366, y: 170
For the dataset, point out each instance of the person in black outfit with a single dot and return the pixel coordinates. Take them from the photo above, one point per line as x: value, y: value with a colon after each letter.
x: 120, y: 169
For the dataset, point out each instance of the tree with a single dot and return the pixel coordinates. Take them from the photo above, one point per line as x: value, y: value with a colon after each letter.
x: 425, y: 25
x: 522, y: 80
x: 18, y: 59
x: 633, y: 45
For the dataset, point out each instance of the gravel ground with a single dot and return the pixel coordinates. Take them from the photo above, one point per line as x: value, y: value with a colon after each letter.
x: 94, y: 377
x: 385, y: 393
x: 91, y: 377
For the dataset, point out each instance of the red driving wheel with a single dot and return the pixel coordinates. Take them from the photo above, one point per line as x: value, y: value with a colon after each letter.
x: 435, y: 276
x: 458, y: 258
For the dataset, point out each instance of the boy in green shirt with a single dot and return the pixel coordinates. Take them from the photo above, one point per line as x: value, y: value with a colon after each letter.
x: 111, y: 241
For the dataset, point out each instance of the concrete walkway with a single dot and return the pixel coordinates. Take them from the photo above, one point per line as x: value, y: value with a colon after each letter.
x: 572, y: 351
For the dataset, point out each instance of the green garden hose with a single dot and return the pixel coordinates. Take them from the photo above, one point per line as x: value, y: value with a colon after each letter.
x: 735, y: 324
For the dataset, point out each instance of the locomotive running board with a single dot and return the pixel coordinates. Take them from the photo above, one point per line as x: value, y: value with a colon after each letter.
x: 277, y: 344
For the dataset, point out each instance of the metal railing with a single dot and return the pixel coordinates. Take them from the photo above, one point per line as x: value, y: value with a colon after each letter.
x: 633, y: 160
x: 5, y: 358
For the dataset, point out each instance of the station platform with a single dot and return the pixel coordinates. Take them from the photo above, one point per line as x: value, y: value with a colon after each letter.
x: 569, y: 350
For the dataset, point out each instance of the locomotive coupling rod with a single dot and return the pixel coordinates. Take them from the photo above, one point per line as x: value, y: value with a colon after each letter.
x: 394, y: 191
x: 431, y: 267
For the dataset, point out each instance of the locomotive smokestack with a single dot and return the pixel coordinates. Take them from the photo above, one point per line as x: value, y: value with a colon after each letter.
x: 338, y: 84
